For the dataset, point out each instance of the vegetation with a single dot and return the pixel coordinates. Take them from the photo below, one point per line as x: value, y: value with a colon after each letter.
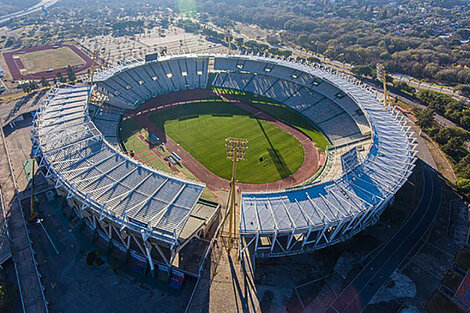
x: 44, y: 82
x: 452, y: 142
x: 28, y: 86
x: 239, y: 43
x: 425, y: 40
x: 71, y: 74
x: 404, y: 87
x: 60, y: 77
x: 445, y: 105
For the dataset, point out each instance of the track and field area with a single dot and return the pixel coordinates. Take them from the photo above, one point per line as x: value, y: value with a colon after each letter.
x: 45, y: 61
x: 42, y: 60
x: 165, y: 114
x: 202, y: 127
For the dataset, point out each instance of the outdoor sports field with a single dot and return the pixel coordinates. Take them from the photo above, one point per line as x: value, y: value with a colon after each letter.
x: 42, y: 60
x: 35, y: 62
x: 201, y: 127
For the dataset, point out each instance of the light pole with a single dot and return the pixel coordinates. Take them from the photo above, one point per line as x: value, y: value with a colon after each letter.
x: 235, y: 148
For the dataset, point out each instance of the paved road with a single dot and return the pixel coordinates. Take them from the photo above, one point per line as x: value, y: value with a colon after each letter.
x: 442, y: 89
x: 35, y: 8
x: 360, y: 291
x: 441, y: 120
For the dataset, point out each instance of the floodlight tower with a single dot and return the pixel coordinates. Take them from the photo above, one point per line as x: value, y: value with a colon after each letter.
x: 235, y: 148
x: 96, y: 54
x: 229, y: 41
x: 381, y: 75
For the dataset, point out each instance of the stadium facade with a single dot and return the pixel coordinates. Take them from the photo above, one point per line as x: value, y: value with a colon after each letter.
x: 77, y: 144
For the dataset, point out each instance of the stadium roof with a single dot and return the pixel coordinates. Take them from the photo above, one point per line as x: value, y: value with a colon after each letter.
x: 360, y: 190
x: 111, y: 184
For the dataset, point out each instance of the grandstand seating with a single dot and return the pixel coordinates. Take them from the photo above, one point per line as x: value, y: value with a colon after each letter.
x: 326, y: 114
x: 281, y: 90
x: 309, y: 81
x: 130, y: 87
x: 107, y: 121
x: 304, y: 98
x: 111, y: 184
x: 259, y: 84
x: 322, y: 214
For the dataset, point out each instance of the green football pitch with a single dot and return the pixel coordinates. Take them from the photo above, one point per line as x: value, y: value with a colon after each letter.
x: 202, y: 127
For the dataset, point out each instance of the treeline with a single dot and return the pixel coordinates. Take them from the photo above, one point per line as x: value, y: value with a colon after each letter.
x: 454, y: 110
x: 365, y: 34
x: 452, y: 142
x: 126, y: 28
x: 29, y: 86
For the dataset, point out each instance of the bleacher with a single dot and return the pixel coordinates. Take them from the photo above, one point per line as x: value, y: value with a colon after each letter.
x: 323, y: 111
x: 304, y: 98
x: 259, y: 84
x: 107, y: 121
x: 236, y: 81
x: 219, y: 79
x: 321, y: 102
x: 308, y: 217
x: 309, y: 81
x: 321, y: 214
x: 112, y: 185
x: 331, y: 118
x: 282, y: 90
x: 127, y: 88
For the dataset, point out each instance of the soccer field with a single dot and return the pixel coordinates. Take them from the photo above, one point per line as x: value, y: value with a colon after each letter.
x: 201, y: 129
x: 285, y: 114
x: 42, y: 60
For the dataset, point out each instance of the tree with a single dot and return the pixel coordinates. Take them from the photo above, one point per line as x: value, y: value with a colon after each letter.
x: 404, y: 87
x: 465, y: 121
x: 44, y: 82
x: 463, y: 186
x: 71, y: 74
x: 362, y: 70
x: 454, y: 148
x: 425, y: 118
x: 60, y: 77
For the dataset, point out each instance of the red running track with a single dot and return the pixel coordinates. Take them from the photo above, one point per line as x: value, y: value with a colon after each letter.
x: 15, y: 64
x: 312, y: 161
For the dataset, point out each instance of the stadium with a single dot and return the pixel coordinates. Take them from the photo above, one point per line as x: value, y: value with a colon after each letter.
x: 161, y: 218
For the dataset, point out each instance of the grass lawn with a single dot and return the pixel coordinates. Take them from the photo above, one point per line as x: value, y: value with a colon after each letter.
x: 287, y: 115
x: 39, y: 61
x: 129, y: 133
x: 129, y: 130
x: 201, y: 129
